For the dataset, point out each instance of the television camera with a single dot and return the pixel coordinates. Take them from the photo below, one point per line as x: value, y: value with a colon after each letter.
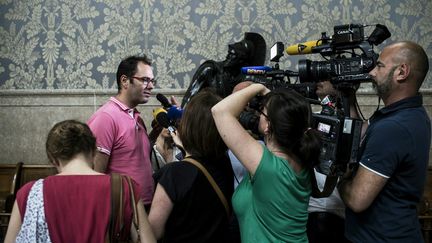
x: 339, y: 68
x: 349, y: 57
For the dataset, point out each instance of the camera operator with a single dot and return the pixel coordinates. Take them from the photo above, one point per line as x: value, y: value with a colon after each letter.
x: 382, y: 193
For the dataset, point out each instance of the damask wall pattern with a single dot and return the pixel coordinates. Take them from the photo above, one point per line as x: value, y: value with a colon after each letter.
x: 62, y: 44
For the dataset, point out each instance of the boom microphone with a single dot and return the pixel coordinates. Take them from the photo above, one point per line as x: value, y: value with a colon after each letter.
x: 303, y: 48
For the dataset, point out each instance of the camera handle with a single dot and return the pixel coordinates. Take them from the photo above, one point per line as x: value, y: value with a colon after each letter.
x: 347, y: 102
x: 329, y: 185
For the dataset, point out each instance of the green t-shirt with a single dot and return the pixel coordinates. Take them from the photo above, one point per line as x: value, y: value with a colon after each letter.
x: 272, y: 205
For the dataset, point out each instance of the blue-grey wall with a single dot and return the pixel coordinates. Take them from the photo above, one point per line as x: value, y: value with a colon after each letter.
x: 78, y: 44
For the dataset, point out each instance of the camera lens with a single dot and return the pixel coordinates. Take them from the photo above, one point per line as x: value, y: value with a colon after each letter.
x: 310, y: 71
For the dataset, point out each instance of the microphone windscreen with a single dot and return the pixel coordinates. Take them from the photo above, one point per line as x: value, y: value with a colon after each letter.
x: 174, y: 113
x: 161, y: 117
x: 163, y: 100
x: 158, y: 110
x: 163, y: 120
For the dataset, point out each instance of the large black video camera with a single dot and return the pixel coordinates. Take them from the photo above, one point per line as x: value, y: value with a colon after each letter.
x: 343, y: 64
x: 349, y: 59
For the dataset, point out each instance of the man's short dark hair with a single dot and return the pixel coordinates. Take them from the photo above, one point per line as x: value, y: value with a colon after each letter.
x: 128, y: 67
x: 418, y: 59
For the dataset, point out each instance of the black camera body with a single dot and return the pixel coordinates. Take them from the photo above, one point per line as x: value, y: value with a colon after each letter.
x: 340, y: 141
x: 344, y: 65
x: 340, y: 138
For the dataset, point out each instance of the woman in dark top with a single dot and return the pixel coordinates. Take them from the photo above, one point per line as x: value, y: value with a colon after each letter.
x: 185, y: 206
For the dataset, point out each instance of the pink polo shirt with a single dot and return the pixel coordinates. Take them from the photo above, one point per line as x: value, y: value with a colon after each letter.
x: 120, y: 133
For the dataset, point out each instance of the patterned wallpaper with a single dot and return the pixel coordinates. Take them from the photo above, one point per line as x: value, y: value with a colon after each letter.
x: 62, y: 44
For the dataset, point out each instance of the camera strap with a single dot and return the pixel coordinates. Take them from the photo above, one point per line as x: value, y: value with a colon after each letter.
x: 329, y: 185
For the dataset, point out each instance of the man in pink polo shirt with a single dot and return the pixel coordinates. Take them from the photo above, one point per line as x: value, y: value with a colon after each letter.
x: 121, y: 135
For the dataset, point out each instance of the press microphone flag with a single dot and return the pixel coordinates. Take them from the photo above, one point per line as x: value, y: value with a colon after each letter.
x: 254, y: 70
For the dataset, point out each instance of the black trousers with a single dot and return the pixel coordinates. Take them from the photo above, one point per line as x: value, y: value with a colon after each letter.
x: 325, y: 227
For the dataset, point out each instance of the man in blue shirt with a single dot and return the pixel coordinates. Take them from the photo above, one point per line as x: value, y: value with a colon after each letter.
x: 382, y: 195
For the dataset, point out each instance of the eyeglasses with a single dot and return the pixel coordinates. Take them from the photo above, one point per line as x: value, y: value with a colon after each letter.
x: 145, y: 80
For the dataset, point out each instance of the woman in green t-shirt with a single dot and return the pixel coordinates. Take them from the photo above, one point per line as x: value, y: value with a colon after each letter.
x: 271, y: 203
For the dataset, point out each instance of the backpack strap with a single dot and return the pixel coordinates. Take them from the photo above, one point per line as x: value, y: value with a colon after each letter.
x: 329, y: 185
x: 212, y: 182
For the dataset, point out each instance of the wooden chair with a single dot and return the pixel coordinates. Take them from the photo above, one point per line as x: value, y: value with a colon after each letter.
x: 35, y: 172
x: 10, y: 176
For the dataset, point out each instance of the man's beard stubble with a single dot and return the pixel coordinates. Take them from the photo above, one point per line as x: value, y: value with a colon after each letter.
x: 383, y: 90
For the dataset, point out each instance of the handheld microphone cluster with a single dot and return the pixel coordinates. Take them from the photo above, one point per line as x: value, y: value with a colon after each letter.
x: 161, y: 117
x: 173, y: 112
x: 167, y: 115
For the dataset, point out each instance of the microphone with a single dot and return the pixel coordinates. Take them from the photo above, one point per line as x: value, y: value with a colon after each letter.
x: 253, y: 70
x: 303, y: 48
x: 174, y: 113
x: 163, y: 100
x: 161, y: 117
